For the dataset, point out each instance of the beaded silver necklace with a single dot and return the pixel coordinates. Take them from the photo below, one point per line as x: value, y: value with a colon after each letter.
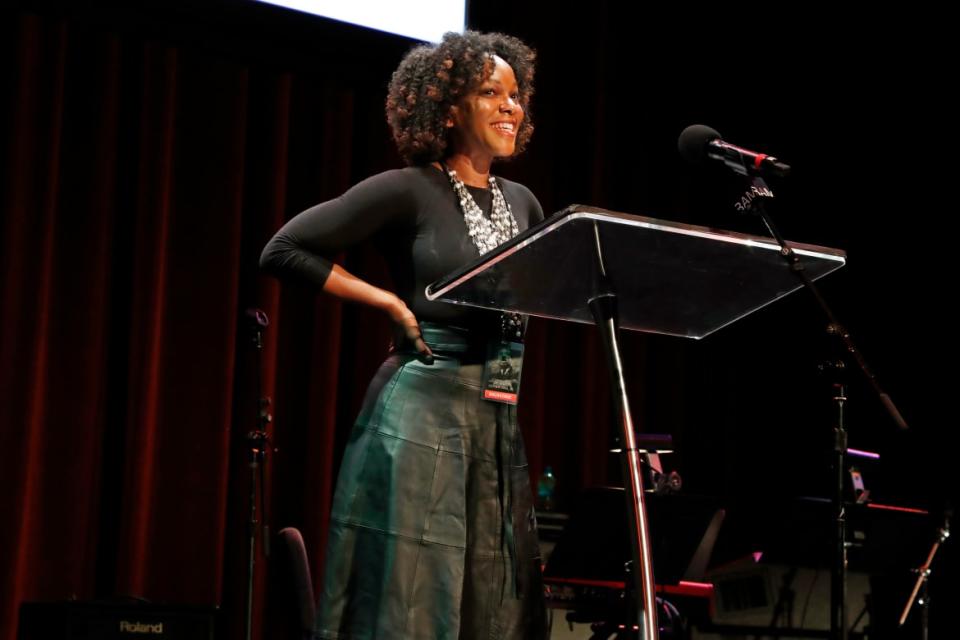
x: 487, y: 233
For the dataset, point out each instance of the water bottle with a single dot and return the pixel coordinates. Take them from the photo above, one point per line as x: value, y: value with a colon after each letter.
x: 545, y: 489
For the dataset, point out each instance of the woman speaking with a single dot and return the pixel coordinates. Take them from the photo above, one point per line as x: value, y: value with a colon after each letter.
x: 432, y: 532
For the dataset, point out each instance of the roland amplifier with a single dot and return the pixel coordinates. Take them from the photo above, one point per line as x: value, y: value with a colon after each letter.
x: 74, y: 620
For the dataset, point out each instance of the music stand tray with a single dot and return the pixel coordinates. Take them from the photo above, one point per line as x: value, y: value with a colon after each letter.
x: 594, y: 544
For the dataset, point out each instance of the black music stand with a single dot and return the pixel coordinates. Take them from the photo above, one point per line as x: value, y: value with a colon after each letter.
x: 594, y: 544
x: 593, y: 550
x: 613, y: 269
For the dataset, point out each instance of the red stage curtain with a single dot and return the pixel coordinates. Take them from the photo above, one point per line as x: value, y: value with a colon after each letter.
x: 141, y: 177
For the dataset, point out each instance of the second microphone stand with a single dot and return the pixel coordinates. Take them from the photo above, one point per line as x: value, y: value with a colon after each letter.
x: 838, y: 628
x: 258, y: 443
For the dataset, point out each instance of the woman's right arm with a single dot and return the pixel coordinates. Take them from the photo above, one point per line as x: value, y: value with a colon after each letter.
x: 303, y: 248
x: 346, y: 286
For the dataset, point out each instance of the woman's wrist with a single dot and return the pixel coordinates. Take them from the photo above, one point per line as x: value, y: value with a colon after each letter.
x: 392, y: 305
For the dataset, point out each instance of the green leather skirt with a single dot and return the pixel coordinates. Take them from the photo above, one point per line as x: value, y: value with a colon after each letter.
x: 432, y: 533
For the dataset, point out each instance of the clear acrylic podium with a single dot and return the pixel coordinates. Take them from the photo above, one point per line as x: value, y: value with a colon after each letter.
x: 615, y: 270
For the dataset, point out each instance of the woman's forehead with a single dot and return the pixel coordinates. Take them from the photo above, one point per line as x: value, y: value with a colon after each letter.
x: 497, y: 66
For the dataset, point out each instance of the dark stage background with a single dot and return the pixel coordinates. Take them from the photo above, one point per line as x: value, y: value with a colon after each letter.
x: 149, y: 154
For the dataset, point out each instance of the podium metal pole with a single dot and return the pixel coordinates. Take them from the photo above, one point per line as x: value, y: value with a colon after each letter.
x: 604, y: 308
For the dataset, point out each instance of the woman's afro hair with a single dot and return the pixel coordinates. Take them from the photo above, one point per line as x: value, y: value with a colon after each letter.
x: 431, y: 79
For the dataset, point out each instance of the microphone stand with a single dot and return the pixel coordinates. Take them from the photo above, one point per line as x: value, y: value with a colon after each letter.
x: 757, y: 193
x: 258, y: 441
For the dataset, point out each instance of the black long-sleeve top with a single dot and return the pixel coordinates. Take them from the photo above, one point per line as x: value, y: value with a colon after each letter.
x: 414, y: 218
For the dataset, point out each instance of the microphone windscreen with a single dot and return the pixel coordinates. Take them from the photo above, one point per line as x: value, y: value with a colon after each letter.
x: 693, y: 141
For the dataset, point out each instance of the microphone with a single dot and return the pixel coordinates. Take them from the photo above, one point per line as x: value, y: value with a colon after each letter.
x: 698, y: 142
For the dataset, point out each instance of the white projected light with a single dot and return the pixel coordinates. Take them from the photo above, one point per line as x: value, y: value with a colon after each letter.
x: 424, y: 20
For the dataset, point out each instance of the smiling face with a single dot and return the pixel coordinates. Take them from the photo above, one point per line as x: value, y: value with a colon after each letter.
x: 486, y: 120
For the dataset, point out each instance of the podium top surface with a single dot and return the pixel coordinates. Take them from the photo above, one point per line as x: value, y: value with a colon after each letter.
x: 670, y: 278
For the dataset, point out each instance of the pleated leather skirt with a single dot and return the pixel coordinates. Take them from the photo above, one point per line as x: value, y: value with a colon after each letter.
x: 432, y: 533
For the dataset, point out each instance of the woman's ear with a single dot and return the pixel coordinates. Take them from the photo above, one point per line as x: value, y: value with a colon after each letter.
x: 451, y: 116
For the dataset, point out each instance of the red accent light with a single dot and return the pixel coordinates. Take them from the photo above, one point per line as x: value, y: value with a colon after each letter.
x: 887, y: 507
x: 684, y: 587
